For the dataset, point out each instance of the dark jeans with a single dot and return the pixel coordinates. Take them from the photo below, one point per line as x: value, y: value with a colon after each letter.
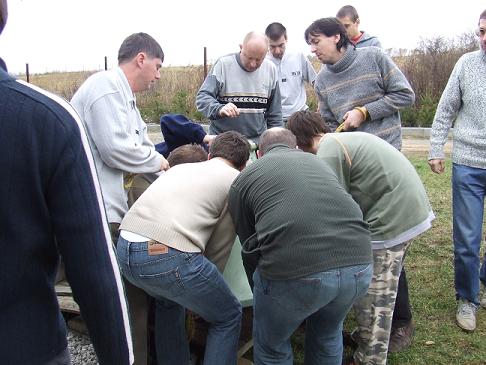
x: 179, y: 280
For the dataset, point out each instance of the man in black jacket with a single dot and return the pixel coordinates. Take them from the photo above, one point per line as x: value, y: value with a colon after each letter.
x: 51, y: 207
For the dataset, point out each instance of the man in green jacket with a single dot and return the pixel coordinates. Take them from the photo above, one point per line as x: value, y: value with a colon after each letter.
x: 395, y: 205
x: 312, y: 246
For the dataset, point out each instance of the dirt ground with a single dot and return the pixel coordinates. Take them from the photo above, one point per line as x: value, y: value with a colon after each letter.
x: 421, y: 145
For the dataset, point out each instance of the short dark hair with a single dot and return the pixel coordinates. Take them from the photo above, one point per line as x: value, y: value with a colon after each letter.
x: 348, y: 11
x: 276, y: 135
x: 231, y: 146
x: 136, y: 43
x: 3, y: 14
x: 483, y: 15
x: 306, y: 125
x: 187, y: 153
x: 275, y: 30
x: 328, y: 27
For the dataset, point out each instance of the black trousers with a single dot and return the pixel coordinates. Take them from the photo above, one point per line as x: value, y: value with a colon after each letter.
x: 402, y: 315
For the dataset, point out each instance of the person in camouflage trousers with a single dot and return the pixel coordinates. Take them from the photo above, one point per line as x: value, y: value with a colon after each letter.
x: 395, y: 206
x: 374, y: 312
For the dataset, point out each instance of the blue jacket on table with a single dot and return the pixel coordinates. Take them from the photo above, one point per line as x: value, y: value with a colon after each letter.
x: 51, y: 206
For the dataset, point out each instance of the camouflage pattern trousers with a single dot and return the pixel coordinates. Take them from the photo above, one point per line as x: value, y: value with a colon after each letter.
x: 374, y: 311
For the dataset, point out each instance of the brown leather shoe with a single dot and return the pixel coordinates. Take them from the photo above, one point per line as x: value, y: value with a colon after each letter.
x: 401, y: 337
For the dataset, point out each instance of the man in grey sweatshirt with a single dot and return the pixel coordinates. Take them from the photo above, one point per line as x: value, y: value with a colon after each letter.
x: 463, y: 103
x: 241, y: 91
x: 120, y: 144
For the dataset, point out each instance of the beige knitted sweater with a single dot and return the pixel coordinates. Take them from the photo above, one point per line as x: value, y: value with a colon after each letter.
x: 186, y: 209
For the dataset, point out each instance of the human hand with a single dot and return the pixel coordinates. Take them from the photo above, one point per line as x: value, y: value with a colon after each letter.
x: 165, y: 165
x: 437, y: 165
x: 353, y: 119
x: 229, y: 110
x: 209, y: 138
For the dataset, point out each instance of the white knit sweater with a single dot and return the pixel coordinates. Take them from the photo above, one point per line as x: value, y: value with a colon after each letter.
x: 186, y: 209
x: 463, y: 103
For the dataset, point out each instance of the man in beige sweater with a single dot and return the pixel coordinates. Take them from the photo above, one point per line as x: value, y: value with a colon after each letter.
x: 174, y: 243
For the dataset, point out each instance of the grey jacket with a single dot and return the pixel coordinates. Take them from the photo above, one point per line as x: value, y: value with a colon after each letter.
x: 117, y: 135
x: 368, y: 40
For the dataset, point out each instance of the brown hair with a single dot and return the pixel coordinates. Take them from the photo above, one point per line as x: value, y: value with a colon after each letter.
x: 231, y: 146
x: 306, y: 125
x: 328, y: 27
x: 136, y: 43
x: 483, y: 15
x: 187, y: 153
x: 348, y: 11
x: 275, y: 30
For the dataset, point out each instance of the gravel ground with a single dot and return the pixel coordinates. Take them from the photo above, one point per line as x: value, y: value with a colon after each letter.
x: 81, y: 349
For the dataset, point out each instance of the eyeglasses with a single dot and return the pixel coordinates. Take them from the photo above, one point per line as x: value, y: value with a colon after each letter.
x: 480, y: 32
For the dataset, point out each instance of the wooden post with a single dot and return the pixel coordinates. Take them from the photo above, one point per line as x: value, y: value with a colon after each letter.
x: 106, y: 63
x: 27, y: 72
x: 205, y: 63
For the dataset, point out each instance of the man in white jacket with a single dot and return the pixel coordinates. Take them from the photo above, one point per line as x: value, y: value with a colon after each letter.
x: 120, y: 144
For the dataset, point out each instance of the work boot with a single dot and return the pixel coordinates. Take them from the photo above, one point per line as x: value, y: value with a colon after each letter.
x: 466, y: 315
x: 401, y: 337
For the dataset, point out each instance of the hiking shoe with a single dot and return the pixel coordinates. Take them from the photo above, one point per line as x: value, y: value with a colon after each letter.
x: 483, y: 297
x: 401, y: 337
x: 466, y: 315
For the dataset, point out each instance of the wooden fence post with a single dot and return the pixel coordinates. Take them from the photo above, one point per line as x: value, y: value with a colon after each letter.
x: 205, y: 63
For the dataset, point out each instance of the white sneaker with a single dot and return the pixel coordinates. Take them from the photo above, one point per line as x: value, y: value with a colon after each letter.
x: 466, y: 315
x: 483, y: 297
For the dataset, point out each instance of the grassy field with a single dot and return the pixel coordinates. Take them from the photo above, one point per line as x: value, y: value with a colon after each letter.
x: 429, y: 265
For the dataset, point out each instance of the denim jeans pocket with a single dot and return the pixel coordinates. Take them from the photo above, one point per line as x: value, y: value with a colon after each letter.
x: 362, y: 278
x: 295, y: 294
x: 158, y: 275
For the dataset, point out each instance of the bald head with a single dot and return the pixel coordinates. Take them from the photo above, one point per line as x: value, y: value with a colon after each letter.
x: 253, y: 51
x: 276, y: 135
x: 3, y: 14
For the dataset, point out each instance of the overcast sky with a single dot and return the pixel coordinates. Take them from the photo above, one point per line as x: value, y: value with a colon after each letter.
x: 72, y: 35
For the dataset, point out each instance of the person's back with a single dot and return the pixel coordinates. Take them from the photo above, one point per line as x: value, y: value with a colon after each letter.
x: 172, y: 242
x: 51, y: 205
x: 305, y: 248
x: 183, y: 206
x: 380, y: 179
x: 306, y: 222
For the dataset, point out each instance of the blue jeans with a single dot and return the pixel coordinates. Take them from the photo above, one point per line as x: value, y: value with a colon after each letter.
x: 179, y: 280
x: 468, y: 191
x: 322, y: 300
